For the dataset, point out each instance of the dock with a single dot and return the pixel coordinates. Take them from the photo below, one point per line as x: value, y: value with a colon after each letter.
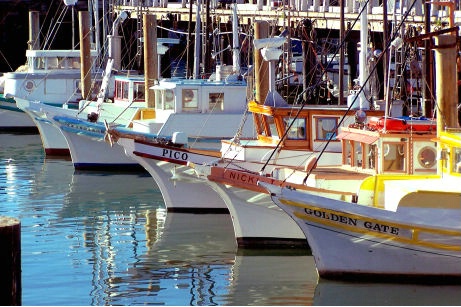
x: 326, y: 15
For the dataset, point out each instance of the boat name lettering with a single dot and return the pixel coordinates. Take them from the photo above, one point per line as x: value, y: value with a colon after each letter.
x: 243, y: 177
x: 175, y: 154
x: 381, y: 227
x: 353, y: 221
x: 332, y: 217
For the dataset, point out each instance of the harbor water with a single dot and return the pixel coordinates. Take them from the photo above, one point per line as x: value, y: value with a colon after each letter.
x: 105, y: 239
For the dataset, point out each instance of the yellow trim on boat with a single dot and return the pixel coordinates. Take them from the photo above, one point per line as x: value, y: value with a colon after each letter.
x: 375, y: 186
x: 361, y: 224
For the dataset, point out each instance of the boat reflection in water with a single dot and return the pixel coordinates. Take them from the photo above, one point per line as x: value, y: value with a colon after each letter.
x: 273, y: 277
x: 142, y: 255
x: 190, y: 262
x: 106, y: 239
x: 338, y: 293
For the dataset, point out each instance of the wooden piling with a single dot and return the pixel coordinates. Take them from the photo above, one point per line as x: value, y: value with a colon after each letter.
x: 10, y: 262
x: 85, y: 53
x: 34, y: 30
x: 261, y: 67
x: 446, y: 87
x: 150, y: 57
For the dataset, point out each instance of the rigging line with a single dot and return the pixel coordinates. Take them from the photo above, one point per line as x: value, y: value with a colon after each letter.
x: 319, y: 81
x: 53, y: 31
x: 396, y: 31
x: 51, y: 22
x: 6, y: 60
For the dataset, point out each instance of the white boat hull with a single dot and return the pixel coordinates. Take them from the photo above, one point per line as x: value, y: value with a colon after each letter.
x: 94, y: 153
x: 180, y: 195
x: 12, y: 119
x: 375, y: 242
x: 54, y: 143
x: 257, y: 220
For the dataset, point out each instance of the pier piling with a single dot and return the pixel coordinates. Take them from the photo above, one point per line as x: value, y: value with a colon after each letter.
x: 10, y: 261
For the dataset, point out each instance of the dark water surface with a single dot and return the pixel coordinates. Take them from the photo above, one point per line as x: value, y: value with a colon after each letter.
x: 105, y: 239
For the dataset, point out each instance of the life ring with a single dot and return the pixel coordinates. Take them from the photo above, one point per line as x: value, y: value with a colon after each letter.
x: 29, y: 85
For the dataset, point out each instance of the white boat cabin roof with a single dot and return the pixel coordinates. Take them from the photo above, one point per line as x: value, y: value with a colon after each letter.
x: 51, y: 60
x: 200, y: 96
x: 129, y: 88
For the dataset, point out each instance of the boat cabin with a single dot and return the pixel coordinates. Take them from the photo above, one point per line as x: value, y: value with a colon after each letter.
x: 130, y: 89
x: 303, y: 131
x: 199, y: 96
x: 52, y: 77
x: 199, y: 107
x: 309, y: 128
x: 407, y: 146
x: 50, y: 60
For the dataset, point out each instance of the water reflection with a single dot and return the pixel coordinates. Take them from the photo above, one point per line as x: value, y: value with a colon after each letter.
x: 110, y: 211
x: 189, y: 263
x: 273, y: 277
x: 328, y: 293
x: 106, y: 239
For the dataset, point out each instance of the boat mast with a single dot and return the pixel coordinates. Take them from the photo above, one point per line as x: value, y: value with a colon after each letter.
x: 235, y: 41
x: 364, y: 104
x: 72, y: 4
x: 341, y: 52
x: 198, y: 34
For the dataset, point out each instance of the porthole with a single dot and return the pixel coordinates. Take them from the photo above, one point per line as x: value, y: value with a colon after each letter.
x: 29, y: 85
x: 427, y: 157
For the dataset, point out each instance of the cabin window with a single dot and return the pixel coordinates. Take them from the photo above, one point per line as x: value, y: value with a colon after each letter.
x: 216, y: 102
x: 96, y: 86
x: 119, y: 89
x: 394, y: 157
x: 52, y: 63
x: 164, y: 99
x: 125, y: 91
x: 456, y: 153
x: 371, y: 156
x: 326, y: 128
x: 40, y: 63
x: 78, y: 86
x: 297, y: 130
x: 189, y: 99
x: 168, y: 100
x: 76, y: 63
x: 139, y: 91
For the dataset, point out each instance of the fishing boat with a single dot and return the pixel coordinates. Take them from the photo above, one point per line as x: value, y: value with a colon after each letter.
x: 54, y: 143
x: 338, y: 150
x: 414, y: 232
x: 51, y: 76
x: 314, y: 127
x: 191, y: 117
